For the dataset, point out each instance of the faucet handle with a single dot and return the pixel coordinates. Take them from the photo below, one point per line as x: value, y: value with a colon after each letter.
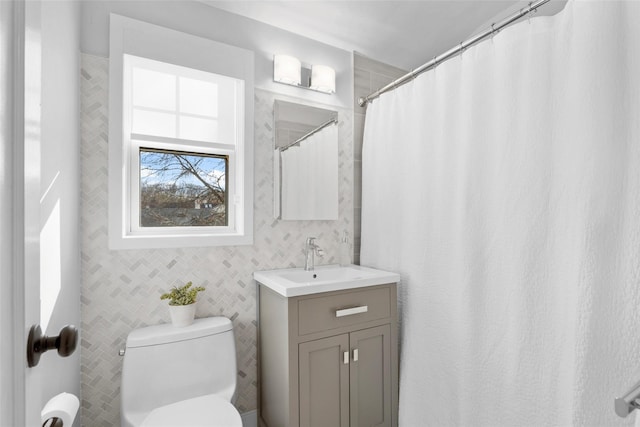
x: 319, y: 252
x: 310, y: 241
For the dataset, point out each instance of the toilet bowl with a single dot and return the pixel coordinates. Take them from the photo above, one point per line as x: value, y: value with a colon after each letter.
x: 180, y: 376
x: 203, y: 411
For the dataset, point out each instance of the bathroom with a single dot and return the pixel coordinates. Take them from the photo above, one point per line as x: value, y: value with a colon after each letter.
x: 57, y: 250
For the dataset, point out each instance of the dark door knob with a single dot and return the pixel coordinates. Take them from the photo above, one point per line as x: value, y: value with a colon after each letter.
x: 37, y: 343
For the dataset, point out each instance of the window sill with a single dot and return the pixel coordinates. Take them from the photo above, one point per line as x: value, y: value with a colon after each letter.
x: 177, y: 241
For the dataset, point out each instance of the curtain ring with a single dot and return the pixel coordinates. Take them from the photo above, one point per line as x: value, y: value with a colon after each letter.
x: 530, y: 11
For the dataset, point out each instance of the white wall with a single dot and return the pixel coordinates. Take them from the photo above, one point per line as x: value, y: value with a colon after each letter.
x: 60, y: 189
x: 205, y: 21
x: 120, y: 289
x: 547, y: 9
x: 6, y: 210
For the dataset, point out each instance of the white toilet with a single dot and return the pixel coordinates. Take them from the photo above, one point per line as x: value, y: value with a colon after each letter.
x: 180, y: 376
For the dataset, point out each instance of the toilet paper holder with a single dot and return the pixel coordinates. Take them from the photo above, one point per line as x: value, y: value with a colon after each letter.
x: 60, y: 410
x: 53, y: 422
x: 629, y: 402
x: 37, y: 343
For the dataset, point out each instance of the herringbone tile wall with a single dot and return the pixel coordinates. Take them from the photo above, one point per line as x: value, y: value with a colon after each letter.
x: 121, y: 289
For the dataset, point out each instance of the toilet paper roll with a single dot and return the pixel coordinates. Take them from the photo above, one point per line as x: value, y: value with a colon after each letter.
x: 64, y: 406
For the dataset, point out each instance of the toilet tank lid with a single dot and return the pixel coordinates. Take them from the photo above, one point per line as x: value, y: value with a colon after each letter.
x: 167, y: 333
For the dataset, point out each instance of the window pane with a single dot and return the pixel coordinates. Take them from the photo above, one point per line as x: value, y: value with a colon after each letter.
x: 153, y: 123
x: 179, y: 189
x: 198, y: 97
x: 154, y: 89
x: 198, y: 129
x: 229, y: 97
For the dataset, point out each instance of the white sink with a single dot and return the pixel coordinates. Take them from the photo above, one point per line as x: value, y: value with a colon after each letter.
x: 292, y: 282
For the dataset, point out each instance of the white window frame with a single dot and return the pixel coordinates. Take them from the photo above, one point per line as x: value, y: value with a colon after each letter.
x: 140, y: 39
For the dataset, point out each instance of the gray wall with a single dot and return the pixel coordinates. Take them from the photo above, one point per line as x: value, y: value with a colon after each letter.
x: 121, y: 289
x: 369, y: 75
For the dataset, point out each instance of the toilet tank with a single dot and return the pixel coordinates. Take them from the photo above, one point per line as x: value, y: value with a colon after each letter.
x: 164, y: 364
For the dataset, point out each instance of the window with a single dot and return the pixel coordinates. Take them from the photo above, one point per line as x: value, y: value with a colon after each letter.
x: 180, y: 160
x: 180, y: 189
x: 180, y: 126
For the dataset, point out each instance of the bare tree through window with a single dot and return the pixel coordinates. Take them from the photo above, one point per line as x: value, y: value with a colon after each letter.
x: 180, y: 189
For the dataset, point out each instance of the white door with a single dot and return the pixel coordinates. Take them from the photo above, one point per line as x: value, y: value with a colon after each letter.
x: 11, y: 373
x: 27, y: 137
x: 20, y: 78
x: 30, y: 194
x: 39, y: 116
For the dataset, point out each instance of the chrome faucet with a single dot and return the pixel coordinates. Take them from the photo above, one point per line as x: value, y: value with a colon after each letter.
x: 310, y: 250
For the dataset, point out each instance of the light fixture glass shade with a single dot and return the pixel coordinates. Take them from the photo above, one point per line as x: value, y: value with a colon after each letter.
x: 323, y: 78
x: 286, y: 69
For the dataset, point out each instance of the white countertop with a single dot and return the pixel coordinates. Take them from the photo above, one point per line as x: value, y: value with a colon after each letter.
x: 291, y: 282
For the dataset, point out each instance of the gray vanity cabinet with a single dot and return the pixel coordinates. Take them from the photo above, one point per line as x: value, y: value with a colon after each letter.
x: 324, y: 382
x: 370, y: 377
x: 326, y: 361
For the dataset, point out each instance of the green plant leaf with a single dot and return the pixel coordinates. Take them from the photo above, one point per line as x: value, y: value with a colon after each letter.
x: 182, y: 295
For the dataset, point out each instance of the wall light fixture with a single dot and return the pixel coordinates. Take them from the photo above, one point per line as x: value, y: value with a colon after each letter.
x: 289, y: 70
x: 286, y: 69
x: 323, y: 78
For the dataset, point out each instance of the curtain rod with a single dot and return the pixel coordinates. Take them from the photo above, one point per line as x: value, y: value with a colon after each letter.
x: 533, y: 6
x: 302, y: 138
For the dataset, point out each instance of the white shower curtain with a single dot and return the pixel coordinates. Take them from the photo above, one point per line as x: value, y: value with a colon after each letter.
x: 504, y: 187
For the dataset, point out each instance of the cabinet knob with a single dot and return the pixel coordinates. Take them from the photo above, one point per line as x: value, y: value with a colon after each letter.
x: 355, y: 354
x: 345, y: 358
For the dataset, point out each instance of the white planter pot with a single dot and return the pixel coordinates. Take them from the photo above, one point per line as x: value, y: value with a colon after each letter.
x: 182, y: 315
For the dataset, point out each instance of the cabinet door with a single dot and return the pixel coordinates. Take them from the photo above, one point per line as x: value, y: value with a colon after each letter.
x: 324, y: 382
x: 370, y: 372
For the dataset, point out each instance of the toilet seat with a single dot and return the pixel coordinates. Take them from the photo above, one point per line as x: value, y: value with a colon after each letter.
x: 204, y: 411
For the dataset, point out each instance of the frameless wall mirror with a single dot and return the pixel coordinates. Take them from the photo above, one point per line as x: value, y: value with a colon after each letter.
x: 305, y: 162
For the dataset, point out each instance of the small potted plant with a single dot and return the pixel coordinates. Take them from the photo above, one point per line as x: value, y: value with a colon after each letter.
x: 182, y: 303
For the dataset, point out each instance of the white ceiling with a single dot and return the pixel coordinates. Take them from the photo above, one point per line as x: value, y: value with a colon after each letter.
x: 401, y: 33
